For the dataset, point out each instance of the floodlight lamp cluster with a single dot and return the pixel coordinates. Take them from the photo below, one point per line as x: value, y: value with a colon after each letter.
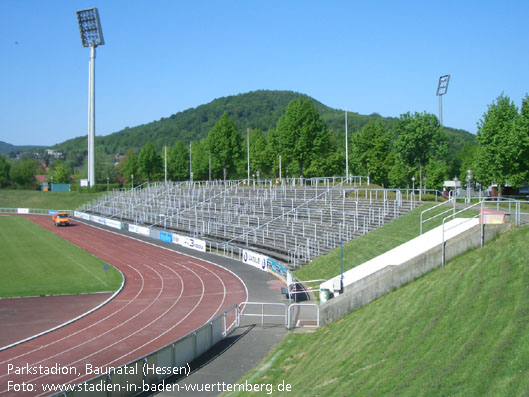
x: 90, y: 27
x: 442, y: 87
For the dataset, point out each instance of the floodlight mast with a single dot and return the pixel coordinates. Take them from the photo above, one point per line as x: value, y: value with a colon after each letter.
x: 91, y: 36
x: 442, y: 87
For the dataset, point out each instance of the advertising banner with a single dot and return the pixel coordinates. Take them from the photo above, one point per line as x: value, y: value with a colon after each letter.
x: 254, y: 259
x: 113, y: 223
x: 194, y: 243
x: 276, y: 268
x: 166, y: 237
x: 139, y: 229
x: 189, y: 242
x: 82, y: 215
x: 23, y: 210
x: 98, y: 219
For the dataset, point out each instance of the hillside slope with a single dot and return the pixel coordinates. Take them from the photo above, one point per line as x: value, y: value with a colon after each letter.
x: 460, y: 330
x: 256, y: 110
x: 8, y: 148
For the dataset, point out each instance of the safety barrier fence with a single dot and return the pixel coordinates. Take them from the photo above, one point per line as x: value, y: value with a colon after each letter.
x: 262, y: 314
x: 491, y: 210
x: 517, y: 210
x: 303, y: 322
x: 143, y: 374
x: 32, y: 211
x: 267, y: 310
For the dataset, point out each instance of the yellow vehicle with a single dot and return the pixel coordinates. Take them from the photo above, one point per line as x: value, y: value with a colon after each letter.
x: 61, y: 219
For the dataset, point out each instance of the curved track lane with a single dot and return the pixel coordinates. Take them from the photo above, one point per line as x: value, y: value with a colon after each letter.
x: 166, y: 295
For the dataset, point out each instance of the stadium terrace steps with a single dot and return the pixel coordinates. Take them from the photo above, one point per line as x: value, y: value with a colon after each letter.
x: 405, y: 252
x: 292, y: 224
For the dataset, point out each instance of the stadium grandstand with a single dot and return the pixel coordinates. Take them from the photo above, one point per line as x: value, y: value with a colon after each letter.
x: 294, y: 221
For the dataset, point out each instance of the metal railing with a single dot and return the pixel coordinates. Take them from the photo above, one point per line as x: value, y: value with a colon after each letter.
x: 289, y: 320
x: 32, y: 211
x: 262, y: 315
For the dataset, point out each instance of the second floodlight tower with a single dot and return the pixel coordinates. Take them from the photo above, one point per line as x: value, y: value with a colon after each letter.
x: 91, y: 36
x: 442, y: 87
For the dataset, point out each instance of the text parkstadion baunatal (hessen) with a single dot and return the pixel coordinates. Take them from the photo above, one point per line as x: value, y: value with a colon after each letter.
x: 92, y: 370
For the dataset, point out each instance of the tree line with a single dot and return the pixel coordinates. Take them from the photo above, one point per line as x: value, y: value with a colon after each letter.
x: 301, y: 144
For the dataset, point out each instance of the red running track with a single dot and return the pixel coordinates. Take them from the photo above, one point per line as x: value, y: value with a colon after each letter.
x: 166, y: 295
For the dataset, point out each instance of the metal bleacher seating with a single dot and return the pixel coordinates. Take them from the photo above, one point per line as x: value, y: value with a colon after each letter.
x: 293, y: 222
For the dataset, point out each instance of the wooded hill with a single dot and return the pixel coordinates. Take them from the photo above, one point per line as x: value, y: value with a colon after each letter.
x: 8, y: 148
x: 255, y: 110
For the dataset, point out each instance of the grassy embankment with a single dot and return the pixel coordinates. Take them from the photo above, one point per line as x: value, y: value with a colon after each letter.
x: 374, y: 243
x: 460, y: 330
x: 44, y: 200
x: 36, y: 262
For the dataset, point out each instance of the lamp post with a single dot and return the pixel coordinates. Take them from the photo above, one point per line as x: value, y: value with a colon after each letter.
x: 456, y: 181
x: 132, y: 177
x: 346, y: 151
x: 108, y: 183
x: 91, y: 36
x: 413, y: 188
x: 469, y: 180
x: 442, y: 87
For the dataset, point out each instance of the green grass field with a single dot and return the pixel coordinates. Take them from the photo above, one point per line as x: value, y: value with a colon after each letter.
x: 459, y: 330
x: 36, y: 262
x: 44, y: 200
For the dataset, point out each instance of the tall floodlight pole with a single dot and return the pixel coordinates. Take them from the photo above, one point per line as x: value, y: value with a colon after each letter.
x: 346, y: 150
x: 165, y: 164
x: 248, y: 141
x: 190, y: 165
x: 91, y: 36
x: 442, y: 87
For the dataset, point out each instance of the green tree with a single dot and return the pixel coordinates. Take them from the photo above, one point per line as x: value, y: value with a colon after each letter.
x: 105, y: 169
x: 467, y: 158
x: 259, y: 159
x: 5, y: 169
x: 435, y: 174
x: 150, y: 163
x: 128, y: 166
x: 370, y: 153
x: 522, y: 135
x: 502, y: 144
x: 60, y: 173
x: 399, y: 172
x: 178, y: 162
x: 419, y: 139
x: 23, y: 173
x: 200, y: 160
x: 224, y: 144
x: 301, y: 134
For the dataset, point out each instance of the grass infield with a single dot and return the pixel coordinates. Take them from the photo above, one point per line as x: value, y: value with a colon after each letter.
x: 36, y: 262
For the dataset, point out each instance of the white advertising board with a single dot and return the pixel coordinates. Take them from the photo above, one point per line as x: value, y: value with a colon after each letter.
x: 81, y: 215
x: 139, y: 229
x: 98, y: 219
x: 189, y: 242
x: 254, y: 259
x: 113, y: 223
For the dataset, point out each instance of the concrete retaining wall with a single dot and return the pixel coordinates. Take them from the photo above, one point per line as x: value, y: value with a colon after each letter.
x: 380, y: 283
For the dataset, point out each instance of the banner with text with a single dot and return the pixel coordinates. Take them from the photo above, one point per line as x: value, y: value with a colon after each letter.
x: 254, y: 259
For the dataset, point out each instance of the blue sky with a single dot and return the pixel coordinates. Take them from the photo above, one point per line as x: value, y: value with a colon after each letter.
x: 162, y: 57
